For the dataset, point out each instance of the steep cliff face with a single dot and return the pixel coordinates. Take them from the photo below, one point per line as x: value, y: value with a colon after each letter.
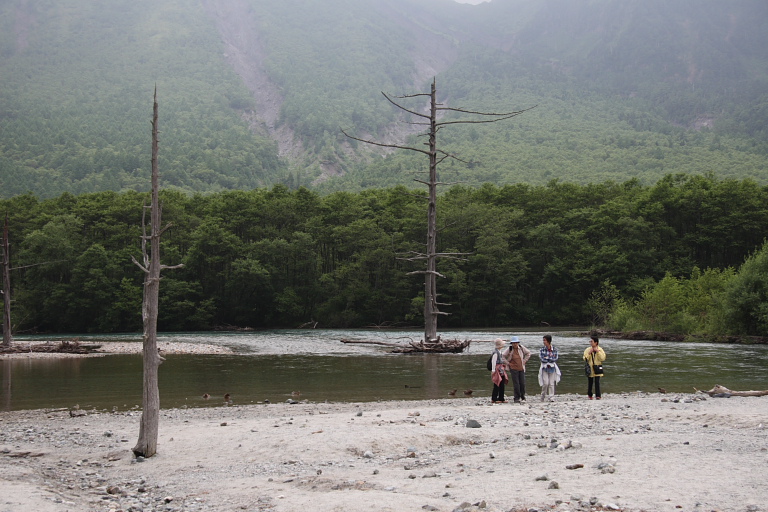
x: 22, y: 21
x: 245, y: 52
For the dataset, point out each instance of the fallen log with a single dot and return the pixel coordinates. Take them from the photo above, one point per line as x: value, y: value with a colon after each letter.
x: 722, y: 392
x: 63, y: 347
x: 439, y: 346
x: 371, y: 342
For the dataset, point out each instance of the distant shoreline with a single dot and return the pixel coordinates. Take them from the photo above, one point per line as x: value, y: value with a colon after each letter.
x: 689, y: 338
x: 48, y: 350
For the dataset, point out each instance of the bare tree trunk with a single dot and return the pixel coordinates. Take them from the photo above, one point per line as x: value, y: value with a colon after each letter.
x: 430, y: 282
x: 7, y: 333
x: 146, y: 446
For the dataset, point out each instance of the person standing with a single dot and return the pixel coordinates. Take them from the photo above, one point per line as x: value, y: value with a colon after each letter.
x: 516, y: 356
x: 498, y: 375
x: 594, y: 355
x: 549, y: 372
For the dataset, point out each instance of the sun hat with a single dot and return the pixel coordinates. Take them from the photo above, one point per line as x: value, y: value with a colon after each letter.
x: 514, y: 339
x: 499, y: 343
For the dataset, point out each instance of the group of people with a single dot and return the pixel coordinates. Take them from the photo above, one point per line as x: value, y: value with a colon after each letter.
x: 510, y: 365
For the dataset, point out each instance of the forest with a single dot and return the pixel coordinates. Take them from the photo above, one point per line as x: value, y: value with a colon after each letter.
x: 556, y: 254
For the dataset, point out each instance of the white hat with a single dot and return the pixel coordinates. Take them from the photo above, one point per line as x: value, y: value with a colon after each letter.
x: 514, y: 339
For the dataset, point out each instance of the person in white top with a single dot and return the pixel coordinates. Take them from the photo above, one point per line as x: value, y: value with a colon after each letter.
x: 549, y: 372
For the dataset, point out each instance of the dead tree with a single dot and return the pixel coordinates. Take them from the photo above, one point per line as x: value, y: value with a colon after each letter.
x: 6, y: 291
x: 7, y: 333
x: 151, y: 266
x: 436, y: 156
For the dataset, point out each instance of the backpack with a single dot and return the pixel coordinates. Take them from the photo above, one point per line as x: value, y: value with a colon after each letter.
x: 490, y: 361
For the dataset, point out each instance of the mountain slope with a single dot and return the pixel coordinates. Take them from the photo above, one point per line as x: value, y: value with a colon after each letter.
x: 254, y: 92
x: 76, y: 99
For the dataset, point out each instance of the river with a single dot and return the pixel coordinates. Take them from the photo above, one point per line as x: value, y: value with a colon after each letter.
x: 279, y: 365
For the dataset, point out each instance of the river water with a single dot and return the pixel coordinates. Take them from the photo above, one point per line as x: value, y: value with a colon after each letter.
x: 273, y: 365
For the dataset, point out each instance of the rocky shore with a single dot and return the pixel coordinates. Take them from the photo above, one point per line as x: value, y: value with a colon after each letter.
x: 48, y: 350
x: 638, y: 452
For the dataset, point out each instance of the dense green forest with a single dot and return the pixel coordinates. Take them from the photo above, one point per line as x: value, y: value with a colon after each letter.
x: 625, y: 90
x: 277, y: 257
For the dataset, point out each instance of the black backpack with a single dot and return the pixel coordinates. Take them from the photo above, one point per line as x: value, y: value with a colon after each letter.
x: 490, y: 361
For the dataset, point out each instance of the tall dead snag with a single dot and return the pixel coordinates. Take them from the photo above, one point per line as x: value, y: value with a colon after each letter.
x: 150, y: 415
x: 431, y: 309
x: 7, y: 334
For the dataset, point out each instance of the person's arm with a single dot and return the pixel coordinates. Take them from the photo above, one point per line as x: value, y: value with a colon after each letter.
x: 555, y: 355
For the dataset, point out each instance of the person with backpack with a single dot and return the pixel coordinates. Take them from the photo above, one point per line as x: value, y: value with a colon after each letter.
x: 516, y: 356
x: 498, y: 374
x: 549, y: 372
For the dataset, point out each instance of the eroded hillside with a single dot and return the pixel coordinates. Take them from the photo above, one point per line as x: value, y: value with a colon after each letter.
x: 430, y: 51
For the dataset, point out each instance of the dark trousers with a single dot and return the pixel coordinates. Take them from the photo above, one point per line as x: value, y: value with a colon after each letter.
x: 518, y: 381
x: 597, y: 386
x: 498, y: 393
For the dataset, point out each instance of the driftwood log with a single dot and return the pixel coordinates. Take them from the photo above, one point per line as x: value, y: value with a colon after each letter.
x: 63, y: 347
x: 722, y: 392
x: 438, y: 346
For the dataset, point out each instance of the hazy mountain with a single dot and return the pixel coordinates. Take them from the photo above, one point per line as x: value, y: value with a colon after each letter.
x: 254, y: 92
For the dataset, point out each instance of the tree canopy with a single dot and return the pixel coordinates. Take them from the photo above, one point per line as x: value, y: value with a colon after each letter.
x: 275, y: 257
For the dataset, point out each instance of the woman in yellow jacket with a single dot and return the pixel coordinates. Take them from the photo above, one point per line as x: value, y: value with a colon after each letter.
x: 594, y: 355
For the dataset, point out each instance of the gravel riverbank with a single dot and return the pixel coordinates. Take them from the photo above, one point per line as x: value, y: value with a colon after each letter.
x: 635, y: 451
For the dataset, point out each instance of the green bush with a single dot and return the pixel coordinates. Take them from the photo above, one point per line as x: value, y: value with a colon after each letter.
x: 746, y: 305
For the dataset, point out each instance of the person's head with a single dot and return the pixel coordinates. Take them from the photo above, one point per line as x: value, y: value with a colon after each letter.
x: 547, y: 340
x: 514, y: 342
x: 594, y: 341
x: 499, y: 343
